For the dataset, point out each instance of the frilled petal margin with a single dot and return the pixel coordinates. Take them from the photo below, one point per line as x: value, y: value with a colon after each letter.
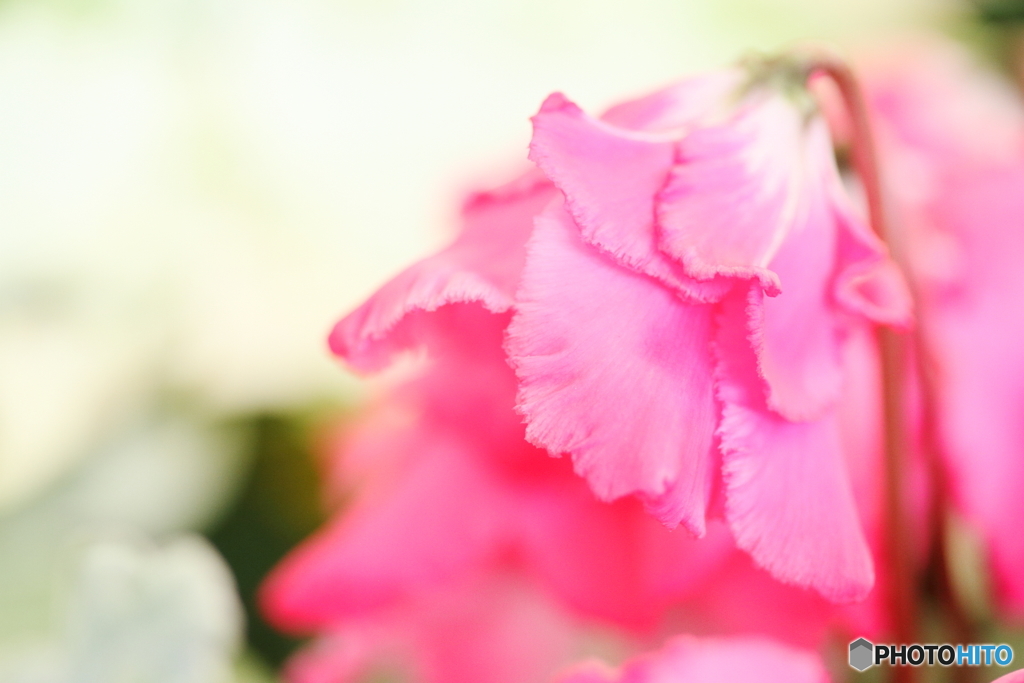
x: 788, y: 497
x: 616, y: 370
x: 610, y: 177
x: 733, y: 193
x: 797, y: 341
x: 481, y: 267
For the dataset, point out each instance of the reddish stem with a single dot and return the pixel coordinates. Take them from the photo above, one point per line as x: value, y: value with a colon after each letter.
x: 902, y: 586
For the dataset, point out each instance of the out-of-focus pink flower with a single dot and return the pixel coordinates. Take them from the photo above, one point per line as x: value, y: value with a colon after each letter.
x: 1013, y: 677
x: 726, y: 660
x: 680, y: 306
x: 494, y: 629
x: 449, y: 493
x: 453, y: 491
x: 952, y: 137
x: 452, y: 501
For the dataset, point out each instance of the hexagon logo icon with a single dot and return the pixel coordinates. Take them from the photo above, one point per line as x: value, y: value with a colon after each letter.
x: 861, y: 654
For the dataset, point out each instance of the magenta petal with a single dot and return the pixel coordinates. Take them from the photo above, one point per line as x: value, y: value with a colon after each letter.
x: 610, y: 177
x: 977, y: 334
x: 481, y: 267
x: 686, y: 659
x: 435, y: 522
x: 616, y: 370
x: 788, y: 496
x: 613, y: 560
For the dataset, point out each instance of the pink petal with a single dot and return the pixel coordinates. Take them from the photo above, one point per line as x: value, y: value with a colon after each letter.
x: 789, y: 502
x: 436, y: 522
x: 613, y: 560
x: 610, y: 177
x: 615, y: 370
x: 686, y: 659
x: 742, y: 598
x: 678, y: 107
x: 977, y: 334
x: 494, y: 629
x: 935, y: 97
x: 877, y: 291
x: 732, y: 194
x: 868, y: 282
x: 590, y: 671
x: 497, y: 630
x: 1014, y: 677
x: 790, y: 505
x: 955, y: 133
x: 335, y: 658
x: 481, y: 267
x: 759, y: 197
x: 798, y: 342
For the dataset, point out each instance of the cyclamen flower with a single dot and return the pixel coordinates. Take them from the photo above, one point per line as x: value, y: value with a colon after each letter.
x: 679, y: 312
x: 954, y: 136
x: 726, y: 660
x: 457, y: 524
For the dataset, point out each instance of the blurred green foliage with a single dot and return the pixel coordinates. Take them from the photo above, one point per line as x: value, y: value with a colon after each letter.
x: 278, y: 506
x: 1000, y: 11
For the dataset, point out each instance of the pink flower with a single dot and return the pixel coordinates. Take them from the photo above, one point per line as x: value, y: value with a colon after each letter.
x: 494, y: 629
x: 727, y: 660
x: 679, y: 312
x: 447, y: 489
x: 954, y: 138
x: 1014, y: 677
x: 457, y: 525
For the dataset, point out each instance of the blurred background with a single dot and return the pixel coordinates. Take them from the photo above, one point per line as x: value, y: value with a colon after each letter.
x: 191, y: 193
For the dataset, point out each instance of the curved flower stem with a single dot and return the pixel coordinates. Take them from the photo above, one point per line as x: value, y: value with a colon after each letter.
x: 896, y: 351
x: 902, y: 585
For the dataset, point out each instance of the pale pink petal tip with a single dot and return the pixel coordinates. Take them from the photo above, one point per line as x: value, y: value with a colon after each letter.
x: 1013, y: 677
x: 786, y: 484
x: 556, y: 101
x: 330, y: 659
x: 687, y: 659
x: 789, y: 501
x: 589, y: 672
x: 879, y: 292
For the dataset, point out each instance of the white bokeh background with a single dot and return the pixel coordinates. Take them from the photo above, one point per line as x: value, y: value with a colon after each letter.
x: 191, y: 192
